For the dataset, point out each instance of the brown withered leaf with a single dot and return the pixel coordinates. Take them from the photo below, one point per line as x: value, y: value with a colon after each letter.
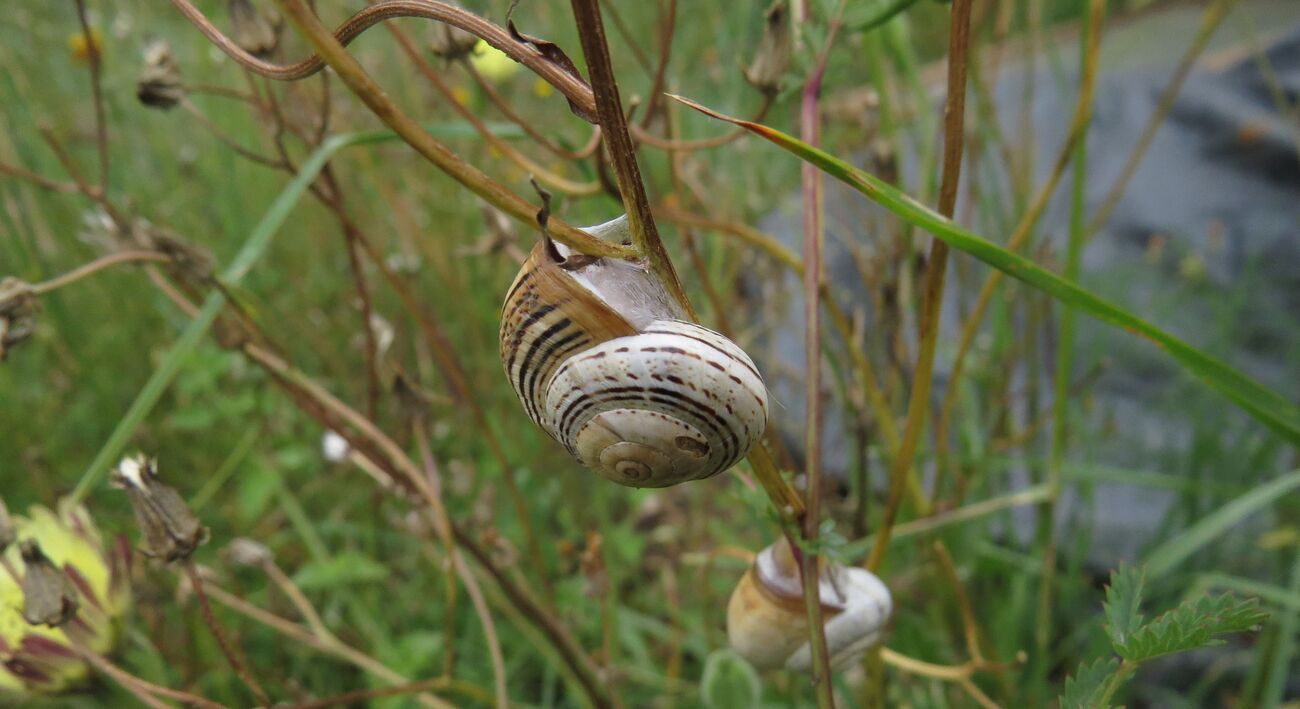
x: 552, y: 52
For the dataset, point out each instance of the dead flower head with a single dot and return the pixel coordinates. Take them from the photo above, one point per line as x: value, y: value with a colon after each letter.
x: 772, y: 58
x: 49, y: 598
x: 159, y: 85
x: 171, y: 531
x: 449, y: 42
x: 255, y: 31
x: 61, y: 587
x: 18, y: 308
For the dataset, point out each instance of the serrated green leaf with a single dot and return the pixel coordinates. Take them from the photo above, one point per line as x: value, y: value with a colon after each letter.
x: 1123, y: 601
x: 1193, y: 624
x: 729, y: 681
x: 1084, y: 688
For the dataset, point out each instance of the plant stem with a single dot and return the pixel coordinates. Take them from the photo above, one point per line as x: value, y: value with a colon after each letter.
x: 196, y: 582
x: 811, y: 177
x: 932, y: 297
x: 622, y: 152
x: 95, y: 266
x: 494, y: 193
x: 1065, y: 349
x: 1210, y: 21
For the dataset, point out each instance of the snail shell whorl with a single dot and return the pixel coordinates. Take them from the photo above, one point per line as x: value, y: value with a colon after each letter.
x: 601, y: 358
x: 767, y: 624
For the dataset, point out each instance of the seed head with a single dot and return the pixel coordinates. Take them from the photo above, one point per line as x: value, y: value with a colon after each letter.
x: 18, y: 308
x: 49, y: 598
x: 159, y: 85
x: 772, y: 58
x: 449, y: 42
x: 171, y: 531
x: 256, y: 32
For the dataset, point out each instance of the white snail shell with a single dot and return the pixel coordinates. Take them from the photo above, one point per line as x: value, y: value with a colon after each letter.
x: 602, y: 358
x: 767, y: 623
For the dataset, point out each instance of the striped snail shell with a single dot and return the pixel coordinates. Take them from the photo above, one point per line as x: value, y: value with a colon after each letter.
x: 767, y: 623
x: 603, y: 359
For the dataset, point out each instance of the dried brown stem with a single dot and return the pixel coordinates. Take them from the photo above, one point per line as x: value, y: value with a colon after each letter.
x: 360, y: 83
x: 932, y: 296
x: 196, y: 582
x: 93, y: 60
x: 571, y: 86
x: 622, y: 152
x: 94, y: 267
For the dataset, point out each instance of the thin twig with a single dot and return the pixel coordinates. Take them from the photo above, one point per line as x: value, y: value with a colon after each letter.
x: 93, y: 60
x: 1078, y: 126
x: 932, y: 297
x: 23, y: 173
x: 622, y: 152
x: 95, y: 266
x: 1210, y: 21
x: 196, y: 582
x: 811, y: 177
x: 573, y: 88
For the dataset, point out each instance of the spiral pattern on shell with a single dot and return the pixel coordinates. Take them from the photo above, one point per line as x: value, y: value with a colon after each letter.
x: 602, y: 359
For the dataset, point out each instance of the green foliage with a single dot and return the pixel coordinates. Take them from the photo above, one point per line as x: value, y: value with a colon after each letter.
x: 1123, y: 598
x: 1084, y: 688
x: 1193, y: 624
x: 342, y: 569
x: 729, y: 681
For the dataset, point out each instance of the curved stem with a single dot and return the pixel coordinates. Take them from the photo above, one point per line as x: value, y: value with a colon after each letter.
x: 573, y: 88
x: 94, y: 267
x: 496, y: 194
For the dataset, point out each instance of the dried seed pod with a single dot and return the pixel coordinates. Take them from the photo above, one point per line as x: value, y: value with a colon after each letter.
x: 18, y: 308
x: 49, y: 598
x: 450, y: 42
x: 159, y: 85
x: 603, y: 360
x: 171, y: 530
x: 767, y: 623
x: 772, y: 58
x: 256, y: 32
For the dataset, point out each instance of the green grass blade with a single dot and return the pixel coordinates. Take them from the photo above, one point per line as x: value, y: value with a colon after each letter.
x: 258, y: 240
x: 1170, y: 554
x: 1281, y: 415
x: 1275, y: 687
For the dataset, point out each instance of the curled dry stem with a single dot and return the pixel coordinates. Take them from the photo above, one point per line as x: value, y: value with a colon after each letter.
x: 571, y: 86
x: 360, y: 83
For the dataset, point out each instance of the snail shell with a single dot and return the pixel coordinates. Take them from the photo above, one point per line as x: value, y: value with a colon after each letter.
x: 603, y: 359
x: 767, y: 623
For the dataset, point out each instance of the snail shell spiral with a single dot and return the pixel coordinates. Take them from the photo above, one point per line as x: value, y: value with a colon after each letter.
x: 603, y: 360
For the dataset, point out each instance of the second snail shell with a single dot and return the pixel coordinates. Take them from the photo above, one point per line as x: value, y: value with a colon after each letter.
x: 604, y: 360
x: 768, y: 625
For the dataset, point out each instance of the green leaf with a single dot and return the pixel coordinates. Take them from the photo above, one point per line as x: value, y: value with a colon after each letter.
x: 1280, y: 414
x: 729, y: 681
x: 1123, y: 600
x: 1193, y: 624
x: 1084, y: 688
x: 1173, y: 552
x: 343, y: 569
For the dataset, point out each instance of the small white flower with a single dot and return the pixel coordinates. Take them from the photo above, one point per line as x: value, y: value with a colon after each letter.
x: 334, y: 447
